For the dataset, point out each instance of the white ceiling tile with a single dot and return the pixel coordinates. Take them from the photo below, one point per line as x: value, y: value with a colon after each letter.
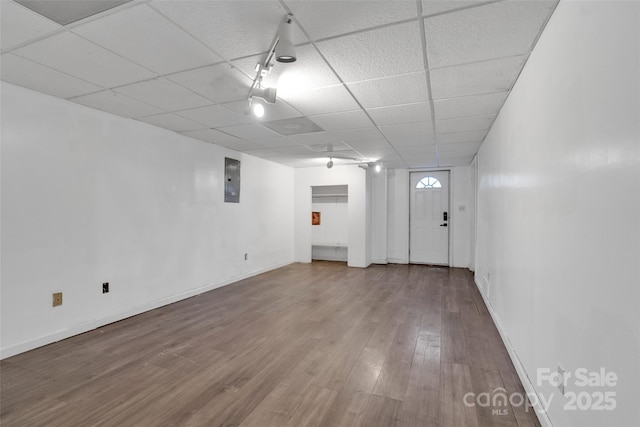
x: 22, y: 72
x: 274, y: 142
x: 375, y: 144
x: 310, y: 71
x: 471, y: 136
x: 19, y: 25
x: 378, y: 53
x: 213, y: 136
x: 166, y: 47
x: 409, y: 113
x: 278, y: 111
x: 172, y: 122
x: 240, y: 145
x: 407, y: 129
x: 394, y: 162
x: 463, y: 124
x: 164, y: 94
x: 219, y: 83
x: 420, y: 161
x: 263, y: 153
x: 73, y: 55
x: 329, y: 18
x: 215, y: 116
x: 249, y: 131
x: 326, y: 100
x: 342, y: 121
x: 350, y: 135
x: 316, y: 138
x: 456, y: 161
x: 430, y: 7
x: 233, y: 29
x: 412, y: 141
x: 373, y: 149
x: 300, y: 151
x: 478, y: 33
x: 459, y: 147
x: 469, y: 105
x: 418, y: 149
x: 478, y: 78
x: 395, y: 90
x: 116, y: 103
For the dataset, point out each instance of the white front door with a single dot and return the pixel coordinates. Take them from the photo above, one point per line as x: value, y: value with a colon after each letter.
x: 429, y: 218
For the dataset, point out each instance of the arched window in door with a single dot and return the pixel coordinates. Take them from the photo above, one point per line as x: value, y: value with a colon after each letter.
x: 428, y: 182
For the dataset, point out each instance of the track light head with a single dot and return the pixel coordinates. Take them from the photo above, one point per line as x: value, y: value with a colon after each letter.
x: 268, y: 94
x: 330, y: 163
x: 285, y: 51
x: 257, y: 109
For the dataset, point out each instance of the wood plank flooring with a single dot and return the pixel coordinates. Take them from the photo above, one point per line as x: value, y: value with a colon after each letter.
x: 315, y: 344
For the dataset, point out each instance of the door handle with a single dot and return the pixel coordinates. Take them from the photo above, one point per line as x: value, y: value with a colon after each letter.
x: 443, y: 225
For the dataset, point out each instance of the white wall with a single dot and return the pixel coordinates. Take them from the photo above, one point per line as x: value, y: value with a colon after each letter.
x: 398, y: 216
x: 379, y: 202
x: 459, y: 215
x: 334, y: 222
x: 558, y: 243
x: 355, y: 178
x: 88, y: 197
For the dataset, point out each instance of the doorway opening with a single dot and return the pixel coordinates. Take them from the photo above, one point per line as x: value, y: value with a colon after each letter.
x: 329, y: 223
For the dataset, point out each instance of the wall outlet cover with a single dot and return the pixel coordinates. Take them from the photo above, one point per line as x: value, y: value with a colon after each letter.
x: 57, y: 299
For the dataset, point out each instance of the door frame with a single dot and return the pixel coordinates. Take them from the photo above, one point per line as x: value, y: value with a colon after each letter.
x: 449, y: 248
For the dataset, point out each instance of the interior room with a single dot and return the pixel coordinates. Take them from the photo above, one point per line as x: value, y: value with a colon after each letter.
x: 327, y: 213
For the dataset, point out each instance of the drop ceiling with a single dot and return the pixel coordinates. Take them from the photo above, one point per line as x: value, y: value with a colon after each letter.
x: 410, y: 83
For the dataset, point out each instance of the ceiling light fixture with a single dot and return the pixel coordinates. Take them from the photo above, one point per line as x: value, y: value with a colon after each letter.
x: 258, y: 109
x: 330, y: 163
x: 284, y: 51
x: 378, y: 167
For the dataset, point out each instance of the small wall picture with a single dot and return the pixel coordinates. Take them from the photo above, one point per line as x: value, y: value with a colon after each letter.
x: 315, y: 218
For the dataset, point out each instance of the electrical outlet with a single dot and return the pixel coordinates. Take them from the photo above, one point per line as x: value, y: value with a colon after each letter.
x: 105, y: 288
x: 246, y: 256
x: 57, y: 299
x: 562, y: 378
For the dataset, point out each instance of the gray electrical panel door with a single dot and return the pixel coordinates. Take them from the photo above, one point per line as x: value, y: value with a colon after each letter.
x: 231, y: 180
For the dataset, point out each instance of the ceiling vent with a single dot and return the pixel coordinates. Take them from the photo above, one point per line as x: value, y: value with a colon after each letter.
x: 65, y: 12
x: 293, y: 126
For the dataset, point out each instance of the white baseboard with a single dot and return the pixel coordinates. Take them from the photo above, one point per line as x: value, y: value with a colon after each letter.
x: 133, y: 311
x: 542, y: 415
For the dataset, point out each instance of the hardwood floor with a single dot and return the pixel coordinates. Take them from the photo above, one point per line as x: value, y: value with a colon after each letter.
x: 306, y: 345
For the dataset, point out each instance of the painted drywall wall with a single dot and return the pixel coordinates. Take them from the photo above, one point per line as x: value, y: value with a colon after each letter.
x: 398, y: 216
x: 88, y: 197
x: 558, y: 239
x: 379, y: 209
x: 334, y: 220
x: 352, y: 176
x: 459, y: 215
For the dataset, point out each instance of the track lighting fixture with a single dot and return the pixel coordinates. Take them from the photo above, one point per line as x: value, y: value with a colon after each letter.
x: 268, y: 94
x: 284, y: 51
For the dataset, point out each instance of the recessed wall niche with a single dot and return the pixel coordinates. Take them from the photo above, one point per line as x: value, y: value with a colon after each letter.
x: 329, y: 234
